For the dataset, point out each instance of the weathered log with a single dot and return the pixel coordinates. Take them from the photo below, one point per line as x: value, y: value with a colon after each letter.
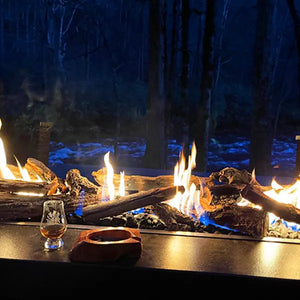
x: 284, y: 211
x: 244, y: 219
x: 172, y: 217
x: 127, y: 203
x: 231, y: 176
x: 19, y: 207
x: 16, y: 186
x: 141, y: 183
x: 224, y: 189
x: 14, y: 207
x: 232, y: 179
x: 78, y: 183
x: 37, y: 167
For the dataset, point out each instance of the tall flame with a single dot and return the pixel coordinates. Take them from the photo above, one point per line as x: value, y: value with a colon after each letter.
x: 23, y: 171
x: 110, y: 179
x: 122, y: 184
x: 182, y: 175
x: 109, y: 176
x: 288, y: 195
x: 5, y: 172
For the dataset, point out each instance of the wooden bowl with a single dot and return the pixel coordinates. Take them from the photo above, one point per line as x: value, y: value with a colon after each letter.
x: 109, y: 244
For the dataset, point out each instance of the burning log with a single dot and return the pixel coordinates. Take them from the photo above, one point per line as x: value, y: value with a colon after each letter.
x: 172, y: 217
x: 244, y: 219
x: 141, y: 183
x: 80, y: 183
x: 232, y: 179
x: 17, y: 186
x: 230, y: 176
x: 224, y: 189
x: 37, y: 167
x: 287, y: 212
x: 247, y: 220
x: 48, y: 186
x: 123, y: 204
x: 15, y: 207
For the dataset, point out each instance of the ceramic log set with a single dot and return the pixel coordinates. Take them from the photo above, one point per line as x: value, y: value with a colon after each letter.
x: 109, y: 244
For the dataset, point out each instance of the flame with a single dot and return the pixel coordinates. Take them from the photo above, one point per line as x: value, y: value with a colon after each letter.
x: 6, y: 173
x: 285, y: 194
x: 110, y: 179
x: 288, y: 195
x: 23, y: 171
x: 122, y: 184
x: 185, y: 201
x: 109, y: 176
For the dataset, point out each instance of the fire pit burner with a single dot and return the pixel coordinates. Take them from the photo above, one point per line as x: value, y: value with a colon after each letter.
x: 181, y: 201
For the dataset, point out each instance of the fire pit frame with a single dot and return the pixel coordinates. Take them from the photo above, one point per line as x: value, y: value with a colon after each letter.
x: 166, y: 255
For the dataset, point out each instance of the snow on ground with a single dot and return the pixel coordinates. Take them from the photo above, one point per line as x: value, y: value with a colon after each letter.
x: 230, y: 151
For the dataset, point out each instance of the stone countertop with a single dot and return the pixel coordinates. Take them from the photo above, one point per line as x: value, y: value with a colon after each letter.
x: 184, y: 256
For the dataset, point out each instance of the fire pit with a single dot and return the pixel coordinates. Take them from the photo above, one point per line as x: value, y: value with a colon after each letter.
x: 229, y: 201
x: 192, y: 227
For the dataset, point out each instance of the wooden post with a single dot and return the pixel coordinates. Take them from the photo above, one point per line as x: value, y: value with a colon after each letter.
x: 297, y: 170
x: 43, y: 142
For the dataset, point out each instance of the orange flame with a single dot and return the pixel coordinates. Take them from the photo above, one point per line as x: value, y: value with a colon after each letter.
x: 110, y: 179
x: 289, y: 194
x: 182, y: 175
x: 6, y: 173
x: 122, y: 184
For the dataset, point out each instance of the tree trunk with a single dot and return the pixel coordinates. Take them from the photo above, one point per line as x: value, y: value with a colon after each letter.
x: 1, y: 33
x: 207, y: 86
x: 296, y: 20
x: 155, y: 127
x: 171, y: 78
x: 262, y: 120
x: 185, y: 130
x: 225, y: 11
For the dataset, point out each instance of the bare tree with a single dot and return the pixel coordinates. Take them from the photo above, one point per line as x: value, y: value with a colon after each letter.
x: 212, y: 64
x: 207, y: 87
x: 264, y: 64
x: 296, y: 20
x: 155, y: 128
x: 60, y: 17
x: 1, y: 29
x: 185, y: 19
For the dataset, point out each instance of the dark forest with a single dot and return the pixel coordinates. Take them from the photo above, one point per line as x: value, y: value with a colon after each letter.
x: 157, y: 70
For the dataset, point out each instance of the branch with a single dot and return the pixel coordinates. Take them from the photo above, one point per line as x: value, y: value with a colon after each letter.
x: 287, y: 212
x: 130, y: 202
x: 71, y: 19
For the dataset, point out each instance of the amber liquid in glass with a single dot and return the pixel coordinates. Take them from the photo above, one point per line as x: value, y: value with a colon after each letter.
x: 53, y: 231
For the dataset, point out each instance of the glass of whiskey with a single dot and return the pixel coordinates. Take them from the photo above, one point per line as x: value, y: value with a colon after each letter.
x: 53, y: 224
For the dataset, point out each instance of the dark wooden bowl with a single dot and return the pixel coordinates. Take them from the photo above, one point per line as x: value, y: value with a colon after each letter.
x: 109, y: 244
